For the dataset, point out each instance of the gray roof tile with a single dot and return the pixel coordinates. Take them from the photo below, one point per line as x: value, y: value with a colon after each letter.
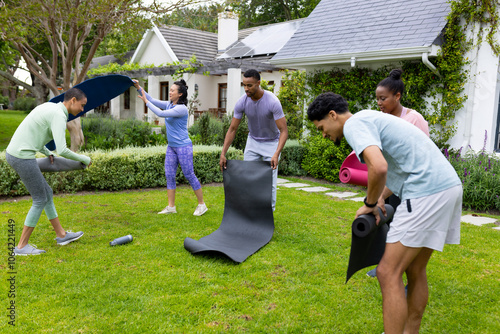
x: 345, y: 26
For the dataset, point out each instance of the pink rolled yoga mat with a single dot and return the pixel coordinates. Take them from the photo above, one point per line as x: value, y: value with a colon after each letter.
x: 353, y: 171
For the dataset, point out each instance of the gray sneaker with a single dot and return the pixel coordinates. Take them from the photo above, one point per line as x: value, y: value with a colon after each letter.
x: 28, y: 250
x: 70, y: 237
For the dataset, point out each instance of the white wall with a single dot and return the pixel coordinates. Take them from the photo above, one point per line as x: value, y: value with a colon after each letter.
x: 480, y: 113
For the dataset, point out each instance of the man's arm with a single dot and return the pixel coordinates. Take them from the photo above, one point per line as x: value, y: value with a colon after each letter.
x: 377, y: 176
x: 281, y: 124
x: 231, y: 133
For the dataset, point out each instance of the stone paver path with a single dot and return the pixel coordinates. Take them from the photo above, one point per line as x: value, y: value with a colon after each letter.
x: 351, y: 196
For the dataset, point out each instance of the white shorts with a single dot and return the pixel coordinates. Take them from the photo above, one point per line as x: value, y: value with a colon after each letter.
x: 430, y: 221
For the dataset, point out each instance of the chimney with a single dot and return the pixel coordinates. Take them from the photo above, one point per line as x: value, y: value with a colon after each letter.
x: 227, y: 30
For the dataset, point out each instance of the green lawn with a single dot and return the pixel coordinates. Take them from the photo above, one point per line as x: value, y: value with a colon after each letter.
x: 295, y: 284
x: 10, y: 120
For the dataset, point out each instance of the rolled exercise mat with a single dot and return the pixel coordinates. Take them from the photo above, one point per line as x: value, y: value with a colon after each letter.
x: 353, y: 171
x: 99, y: 90
x: 60, y: 164
x: 368, y: 240
x: 353, y: 176
x: 248, y: 223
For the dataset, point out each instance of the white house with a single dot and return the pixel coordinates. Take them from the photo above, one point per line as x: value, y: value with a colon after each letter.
x: 372, y: 34
x: 225, y: 56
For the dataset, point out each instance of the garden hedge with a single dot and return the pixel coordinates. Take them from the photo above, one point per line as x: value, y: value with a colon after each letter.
x: 128, y: 168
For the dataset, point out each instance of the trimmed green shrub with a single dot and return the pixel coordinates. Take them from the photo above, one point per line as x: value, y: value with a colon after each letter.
x: 128, y: 168
x: 104, y: 132
x: 323, y: 159
x: 25, y: 104
x: 291, y: 159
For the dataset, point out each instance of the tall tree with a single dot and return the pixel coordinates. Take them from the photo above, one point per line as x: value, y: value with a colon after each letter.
x: 72, y: 30
x: 259, y: 12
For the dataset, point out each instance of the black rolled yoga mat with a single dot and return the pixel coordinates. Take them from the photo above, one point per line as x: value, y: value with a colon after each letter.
x: 60, y: 164
x: 248, y: 223
x: 368, y: 240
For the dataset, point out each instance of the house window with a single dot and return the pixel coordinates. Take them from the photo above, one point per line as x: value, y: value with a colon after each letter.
x: 164, y: 90
x: 126, y: 100
x: 222, y: 96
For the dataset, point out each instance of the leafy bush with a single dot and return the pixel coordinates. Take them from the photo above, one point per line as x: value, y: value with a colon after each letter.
x: 25, y: 104
x: 291, y: 159
x: 208, y: 130
x: 292, y: 98
x: 128, y: 168
x: 5, y: 101
x: 480, y: 175
x: 104, y: 132
x: 322, y: 158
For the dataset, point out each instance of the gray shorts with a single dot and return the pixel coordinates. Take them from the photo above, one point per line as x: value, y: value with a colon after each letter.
x: 430, y: 221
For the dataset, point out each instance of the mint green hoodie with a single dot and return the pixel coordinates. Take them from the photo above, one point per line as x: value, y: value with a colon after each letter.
x: 44, y: 123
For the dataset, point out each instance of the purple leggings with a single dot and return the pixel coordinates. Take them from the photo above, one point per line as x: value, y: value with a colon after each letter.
x: 184, y: 156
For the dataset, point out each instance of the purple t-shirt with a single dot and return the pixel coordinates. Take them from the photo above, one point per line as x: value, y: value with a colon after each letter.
x: 262, y: 115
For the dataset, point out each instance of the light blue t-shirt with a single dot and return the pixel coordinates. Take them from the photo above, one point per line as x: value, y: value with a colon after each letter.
x: 176, y: 119
x: 262, y: 115
x: 416, y: 166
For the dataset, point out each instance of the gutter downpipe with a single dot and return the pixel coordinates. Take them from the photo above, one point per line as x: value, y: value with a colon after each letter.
x: 427, y: 62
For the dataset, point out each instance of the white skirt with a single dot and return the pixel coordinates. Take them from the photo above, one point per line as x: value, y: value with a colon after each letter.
x: 430, y: 221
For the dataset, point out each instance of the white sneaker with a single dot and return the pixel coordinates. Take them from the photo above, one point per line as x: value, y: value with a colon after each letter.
x: 200, y: 209
x: 168, y: 209
x: 28, y: 250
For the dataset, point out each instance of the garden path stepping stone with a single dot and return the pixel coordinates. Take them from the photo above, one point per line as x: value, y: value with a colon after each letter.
x: 341, y: 194
x: 294, y: 185
x: 314, y: 189
x: 282, y: 181
x: 476, y: 220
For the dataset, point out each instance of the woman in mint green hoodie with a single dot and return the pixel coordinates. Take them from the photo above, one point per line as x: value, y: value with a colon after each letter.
x: 45, y: 123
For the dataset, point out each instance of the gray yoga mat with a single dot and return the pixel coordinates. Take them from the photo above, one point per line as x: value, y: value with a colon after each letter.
x: 248, y: 223
x: 60, y: 164
x: 368, y: 240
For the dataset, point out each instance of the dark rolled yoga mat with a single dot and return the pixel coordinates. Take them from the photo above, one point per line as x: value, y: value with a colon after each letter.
x: 368, y: 240
x: 99, y: 90
x: 248, y: 223
x: 60, y: 164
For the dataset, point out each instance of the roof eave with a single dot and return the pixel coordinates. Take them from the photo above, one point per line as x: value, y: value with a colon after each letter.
x: 360, y: 57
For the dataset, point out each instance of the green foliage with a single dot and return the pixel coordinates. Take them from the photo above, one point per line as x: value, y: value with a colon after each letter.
x: 117, y: 68
x: 129, y: 168
x: 292, y: 98
x: 103, y: 132
x: 5, y: 101
x: 480, y: 175
x: 322, y: 158
x: 240, y: 140
x: 209, y: 130
x: 25, y: 103
x: 202, y: 17
x: 259, y: 12
x: 291, y: 159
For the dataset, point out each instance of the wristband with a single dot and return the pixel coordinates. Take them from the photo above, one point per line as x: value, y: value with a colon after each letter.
x: 369, y: 205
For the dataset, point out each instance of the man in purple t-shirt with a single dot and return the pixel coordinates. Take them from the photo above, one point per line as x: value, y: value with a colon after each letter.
x: 266, y: 125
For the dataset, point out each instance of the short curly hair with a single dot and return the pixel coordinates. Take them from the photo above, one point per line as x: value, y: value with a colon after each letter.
x: 325, y: 102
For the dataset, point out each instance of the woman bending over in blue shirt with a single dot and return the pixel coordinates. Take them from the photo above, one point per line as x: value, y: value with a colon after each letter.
x: 180, y: 147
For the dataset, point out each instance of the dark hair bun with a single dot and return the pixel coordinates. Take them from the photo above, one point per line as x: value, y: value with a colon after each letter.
x: 182, y: 82
x: 396, y: 74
